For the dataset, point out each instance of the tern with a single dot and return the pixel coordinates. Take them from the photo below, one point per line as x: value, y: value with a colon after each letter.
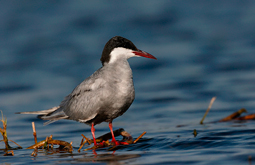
x: 106, y: 94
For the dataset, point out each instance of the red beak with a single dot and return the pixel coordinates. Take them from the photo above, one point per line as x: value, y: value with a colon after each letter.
x: 144, y: 54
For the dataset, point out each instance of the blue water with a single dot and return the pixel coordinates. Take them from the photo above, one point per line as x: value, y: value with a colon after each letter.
x: 204, y: 49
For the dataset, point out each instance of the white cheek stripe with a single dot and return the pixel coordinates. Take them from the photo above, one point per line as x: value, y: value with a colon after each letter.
x: 120, y: 53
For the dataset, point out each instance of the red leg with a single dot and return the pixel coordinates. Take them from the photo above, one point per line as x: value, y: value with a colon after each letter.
x: 113, y: 138
x: 93, y: 133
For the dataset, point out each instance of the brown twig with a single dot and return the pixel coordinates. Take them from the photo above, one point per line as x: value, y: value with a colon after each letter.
x: 34, y: 153
x: 234, y: 115
x: 208, y: 109
x: 34, y: 132
x: 81, y: 141
x: 4, y: 132
x: 81, y: 145
x: 139, y: 137
x: 9, y: 153
x: 45, y: 143
x: 15, y: 143
x: 247, y: 117
x: 86, y: 139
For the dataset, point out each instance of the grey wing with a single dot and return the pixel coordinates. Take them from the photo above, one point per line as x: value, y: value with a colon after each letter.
x: 84, y: 103
x: 73, y: 105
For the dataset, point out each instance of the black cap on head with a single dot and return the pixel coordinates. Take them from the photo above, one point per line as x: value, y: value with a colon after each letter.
x: 116, y: 42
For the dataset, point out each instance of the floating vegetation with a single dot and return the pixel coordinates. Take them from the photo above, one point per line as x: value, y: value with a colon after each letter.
x: 5, y: 138
x: 48, y: 144
x: 247, y: 117
x: 234, y: 115
x: 103, y: 141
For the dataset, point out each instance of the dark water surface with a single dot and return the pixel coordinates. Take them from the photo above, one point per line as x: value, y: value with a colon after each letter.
x: 204, y: 49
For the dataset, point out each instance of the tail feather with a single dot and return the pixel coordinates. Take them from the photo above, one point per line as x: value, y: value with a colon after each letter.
x: 49, y: 122
x: 43, y: 112
x: 53, y: 120
x: 53, y: 114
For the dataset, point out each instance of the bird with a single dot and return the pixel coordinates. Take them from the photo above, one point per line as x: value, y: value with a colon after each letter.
x: 103, y: 96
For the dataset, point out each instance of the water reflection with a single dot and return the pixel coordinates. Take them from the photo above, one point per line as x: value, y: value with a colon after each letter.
x: 109, y: 158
